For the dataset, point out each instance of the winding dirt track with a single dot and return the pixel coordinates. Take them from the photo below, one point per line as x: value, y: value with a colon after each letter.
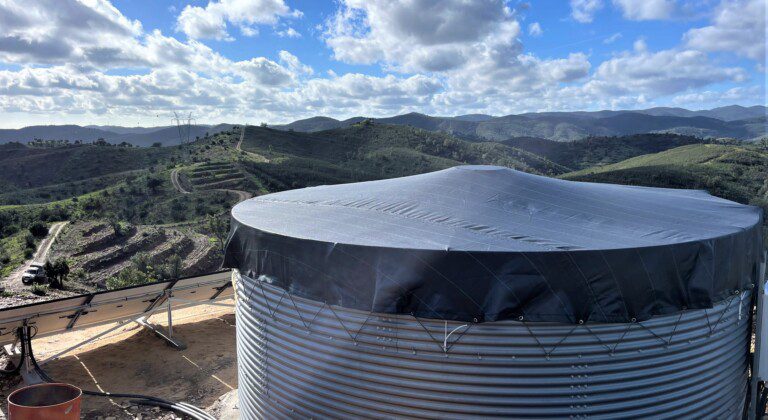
x: 13, y: 281
x: 242, y: 136
x: 239, y: 145
x: 241, y: 195
x: 176, y: 183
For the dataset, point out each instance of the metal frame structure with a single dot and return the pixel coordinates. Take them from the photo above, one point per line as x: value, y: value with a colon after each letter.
x: 122, y: 306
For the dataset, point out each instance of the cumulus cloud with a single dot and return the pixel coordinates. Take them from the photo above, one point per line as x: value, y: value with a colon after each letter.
x: 438, y: 57
x: 210, y: 22
x: 53, y: 31
x: 417, y: 35
x: 584, y: 10
x: 289, y: 33
x: 658, y: 73
x: 645, y: 9
x: 737, y: 26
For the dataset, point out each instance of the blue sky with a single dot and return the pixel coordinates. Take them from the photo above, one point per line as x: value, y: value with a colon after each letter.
x: 136, y: 61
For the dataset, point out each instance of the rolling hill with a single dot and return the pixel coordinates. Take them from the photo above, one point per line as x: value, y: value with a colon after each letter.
x: 372, y: 150
x: 743, y: 123
x: 599, y: 151
x: 137, y: 136
x: 734, y: 172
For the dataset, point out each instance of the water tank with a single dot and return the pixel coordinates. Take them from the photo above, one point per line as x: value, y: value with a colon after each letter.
x: 486, y: 292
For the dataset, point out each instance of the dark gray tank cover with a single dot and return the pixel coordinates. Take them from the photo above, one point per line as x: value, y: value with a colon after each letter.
x: 485, y: 243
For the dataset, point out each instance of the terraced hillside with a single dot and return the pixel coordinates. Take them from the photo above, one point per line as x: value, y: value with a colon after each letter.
x: 216, y: 175
x: 96, y: 252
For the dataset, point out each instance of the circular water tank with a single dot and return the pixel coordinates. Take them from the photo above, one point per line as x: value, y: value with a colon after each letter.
x: 480, y: 292
x: 300, y: 358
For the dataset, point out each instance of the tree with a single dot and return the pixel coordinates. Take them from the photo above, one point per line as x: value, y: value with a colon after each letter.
x: 219, y: 228
x: 157, y: 144
x: 38, y: 230
x: 153, y: 184
x: 57, y: 272
x: 62, y: 269
x: 763, y: 144
x: 174, y: 264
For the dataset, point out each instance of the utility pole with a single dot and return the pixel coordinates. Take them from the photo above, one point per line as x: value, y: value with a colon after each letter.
x: 184, y: 126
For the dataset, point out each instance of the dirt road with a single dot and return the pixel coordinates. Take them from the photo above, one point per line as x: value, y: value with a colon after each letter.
x: 240, y: 144
x: 242, y: 136
x: 13, y: 281
x: 176, y: 182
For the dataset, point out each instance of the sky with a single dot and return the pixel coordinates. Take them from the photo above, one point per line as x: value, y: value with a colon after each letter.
x: 135, y: 62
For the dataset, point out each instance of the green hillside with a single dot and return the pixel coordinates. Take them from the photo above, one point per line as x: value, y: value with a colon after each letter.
x: 370, y: 150
x: 31, y: 167
x: 735, y: 172
x: 599, y: 151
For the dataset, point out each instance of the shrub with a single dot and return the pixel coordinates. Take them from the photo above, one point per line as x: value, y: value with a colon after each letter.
x: 29, y: 241
x: 38, y: 229
x: 40, y: 289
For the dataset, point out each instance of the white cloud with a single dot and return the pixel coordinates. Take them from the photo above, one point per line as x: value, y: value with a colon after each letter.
x: 417, y: 35
x: 293, y: 63
x: 52, y: 31
x: 613, y: 38
x: 658, y: 73
x: 711, y: 99
x: 534, y: 29
x: 646, y: 9
x: 289, y: 33
x: 737, y: 26
x: 211, y: 21
x: 584, y: 10
x: 437, y: 57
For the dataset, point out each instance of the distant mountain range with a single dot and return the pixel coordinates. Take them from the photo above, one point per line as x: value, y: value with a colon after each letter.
x: 138, y: 136
x: 745, y: 123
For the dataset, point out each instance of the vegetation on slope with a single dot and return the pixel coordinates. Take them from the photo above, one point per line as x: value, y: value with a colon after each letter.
x: 734, y: 172
x: 599, y: 151
x: 368, y: 150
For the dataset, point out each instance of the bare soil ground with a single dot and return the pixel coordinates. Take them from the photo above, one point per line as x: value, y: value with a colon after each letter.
x: 134, y: 360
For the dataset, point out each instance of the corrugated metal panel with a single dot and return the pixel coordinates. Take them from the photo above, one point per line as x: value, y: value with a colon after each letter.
x: 303, y: 359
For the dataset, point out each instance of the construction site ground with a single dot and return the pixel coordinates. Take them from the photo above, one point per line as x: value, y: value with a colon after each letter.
x: 133, y: 359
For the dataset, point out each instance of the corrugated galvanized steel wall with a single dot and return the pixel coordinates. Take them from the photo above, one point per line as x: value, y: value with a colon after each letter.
x: 303, y: 359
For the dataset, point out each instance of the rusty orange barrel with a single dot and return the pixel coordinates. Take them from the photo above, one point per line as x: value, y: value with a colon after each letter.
x: 45, y: 402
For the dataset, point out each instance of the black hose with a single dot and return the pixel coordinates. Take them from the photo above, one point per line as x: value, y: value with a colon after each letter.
x: 187, y: 409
